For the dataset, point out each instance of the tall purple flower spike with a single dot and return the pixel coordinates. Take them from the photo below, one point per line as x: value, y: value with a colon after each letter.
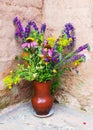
x: 81, y: 48
x: 69, y: 27
x: 23, y: 33
x: 74, y: 58
x: 43, y: 28
x: 19, y: 31
x: 69, y: 31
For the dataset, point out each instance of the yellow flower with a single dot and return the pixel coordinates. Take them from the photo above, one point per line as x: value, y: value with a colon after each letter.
x: 46, y: 63
x: 10, y: 87
x: 15, y: 82
x: 70, y: 39
x: 63, y: 42
x: 54, y: 71
x: 51, y: 40
x: 28, y: 65
x: 25, y: 54
x: 18, y: 64
x: 76, y: 63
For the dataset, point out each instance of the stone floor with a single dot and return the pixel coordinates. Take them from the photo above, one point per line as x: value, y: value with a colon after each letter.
x: 20, y: 117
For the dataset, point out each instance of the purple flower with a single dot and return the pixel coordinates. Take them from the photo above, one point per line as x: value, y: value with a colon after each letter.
x: 19, y: 29
x: 81, y: 48
x: 15, y: 20
x: 34, y: 26
x: 69, y: 31
x: 27, y: 31
x: 30, y: 23
x: 74, y: 58
x: 77, y: 57
x: 46, y: 59
x: 70, y: 46
x: 16, y: 34
x: 69, y: 26
x: 43, y: 28
x: 55, y: 58
x: 85, y: 46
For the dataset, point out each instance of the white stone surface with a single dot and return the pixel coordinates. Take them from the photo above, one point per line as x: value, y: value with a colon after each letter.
x: 20, y: 117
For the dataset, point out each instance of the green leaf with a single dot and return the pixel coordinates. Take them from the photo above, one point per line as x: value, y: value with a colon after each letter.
x: 63, y: 70
x: 16, y: 58
x: 88, y: 48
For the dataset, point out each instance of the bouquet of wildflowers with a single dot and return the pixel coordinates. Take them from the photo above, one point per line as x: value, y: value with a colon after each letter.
x: 44, y: 58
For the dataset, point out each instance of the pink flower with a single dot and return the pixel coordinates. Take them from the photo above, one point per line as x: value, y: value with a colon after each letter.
x: 45, y: 43
x: 51, y: 52
x: 44, y: 51
x: 33, y: 44
x: 24, y: 45
x: 28, y: 45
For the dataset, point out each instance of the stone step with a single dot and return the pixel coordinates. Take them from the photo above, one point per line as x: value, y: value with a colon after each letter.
x: 20, y: 116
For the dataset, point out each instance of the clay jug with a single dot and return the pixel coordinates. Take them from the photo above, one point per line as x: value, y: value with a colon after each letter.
x: 42, y: 100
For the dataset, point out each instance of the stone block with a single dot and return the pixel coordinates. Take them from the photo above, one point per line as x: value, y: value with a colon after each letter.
x: 9, y: 48
x: 56, y: 14
x: 4, y: 102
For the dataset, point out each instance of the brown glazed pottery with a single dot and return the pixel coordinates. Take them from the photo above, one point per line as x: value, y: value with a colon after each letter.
x: 42, y: 100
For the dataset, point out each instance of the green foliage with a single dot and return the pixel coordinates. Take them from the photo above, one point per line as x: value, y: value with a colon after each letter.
x: 56, y: 83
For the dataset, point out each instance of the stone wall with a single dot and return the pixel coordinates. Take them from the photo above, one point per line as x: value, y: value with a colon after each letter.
x: 76, y: 90
x: 25, y: 10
